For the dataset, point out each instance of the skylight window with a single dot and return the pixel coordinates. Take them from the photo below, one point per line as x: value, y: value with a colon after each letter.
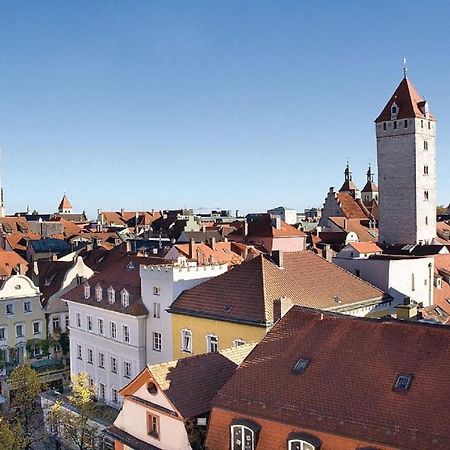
x: 403, y: 382
x: 301, y: 365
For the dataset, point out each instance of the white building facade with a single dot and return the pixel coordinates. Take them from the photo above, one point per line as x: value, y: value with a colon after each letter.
x: 160, y: 286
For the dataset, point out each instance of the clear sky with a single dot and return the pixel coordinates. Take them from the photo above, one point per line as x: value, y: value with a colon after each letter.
x: 233, y: 104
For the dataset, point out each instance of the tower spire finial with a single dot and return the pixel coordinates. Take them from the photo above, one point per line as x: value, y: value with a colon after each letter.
x: 405, y: 68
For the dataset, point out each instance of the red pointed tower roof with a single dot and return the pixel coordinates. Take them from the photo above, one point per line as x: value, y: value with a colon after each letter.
x: 409, y: 102
x: 65, y: 203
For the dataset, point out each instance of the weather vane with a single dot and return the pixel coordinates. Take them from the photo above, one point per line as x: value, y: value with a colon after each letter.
x: 405, y: 69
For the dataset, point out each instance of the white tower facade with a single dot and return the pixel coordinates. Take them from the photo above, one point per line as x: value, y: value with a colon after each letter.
x: 406, y: 154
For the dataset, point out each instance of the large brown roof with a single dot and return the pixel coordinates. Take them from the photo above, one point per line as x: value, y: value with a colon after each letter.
x: 247, y: 292
x: 352, y: 208
x: 9, y: 262
x: 65, y: 203
x: 51, y: 276
x: 122, y: 273
x: 347, y: 388
x: 407, y: 99
x: 205, y: 254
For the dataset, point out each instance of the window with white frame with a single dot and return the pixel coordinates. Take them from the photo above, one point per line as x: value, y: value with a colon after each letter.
x: 113, y: 330
x: 87, y: 291
x: 78, y: 320
x: 9, y: 309
x: 156, y: 310
x: 157, y: 342
x: 125, y: 298
x: 90, y: 356
x: 212, y: 343
x: 26, y: 307
x: 111, y: 295
x: 100, y: 326
x: 98, y: 293
x: 89, y: 323
x: 101, y: 360
x: 113, y: 364
x: 79, y: 350
x: 238, y: 342
x: 126, y: 333
x: 302, y: 441
x: 127, y: 369
x: 186, y: 341
x: 55, y: 323
x: 156, y: 290
x: 244, y: 434
x: 20, y: 330
x: 2, y: 333
x: 101, y: 391
x: 36, y: 327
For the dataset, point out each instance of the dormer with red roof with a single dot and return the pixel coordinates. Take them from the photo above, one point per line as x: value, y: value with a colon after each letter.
x: 406, y: 155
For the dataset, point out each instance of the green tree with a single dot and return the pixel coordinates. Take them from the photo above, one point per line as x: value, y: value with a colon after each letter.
x: 77, y: 428
x: 25, y: 388
x: 11, y: 436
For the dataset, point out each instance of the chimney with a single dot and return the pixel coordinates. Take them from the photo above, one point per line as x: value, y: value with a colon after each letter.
x: 276, y: 222
x: 191, y: 248
x: 326, y: 252
x: 213, y: 243
x: 128, y: 246
x: 238, y: 213
x: 122, y: 210
x: 276, y: 310
x: 278, y: 257
x: 406, y: 311
x: 245, y: 229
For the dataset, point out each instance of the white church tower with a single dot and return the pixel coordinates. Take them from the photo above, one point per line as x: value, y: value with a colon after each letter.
x: 406, y: 154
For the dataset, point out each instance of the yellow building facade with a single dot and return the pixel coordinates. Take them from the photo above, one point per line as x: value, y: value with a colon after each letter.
x: 196, y: 335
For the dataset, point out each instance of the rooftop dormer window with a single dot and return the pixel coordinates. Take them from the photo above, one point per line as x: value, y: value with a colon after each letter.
x: 244, y: 434
x: 111, y: 295
x: 303, y: 441
x: 125, y: 297
x: 403, y: 382
x: 87, y: 291
x: 98, y: 293
x: 394, y: 111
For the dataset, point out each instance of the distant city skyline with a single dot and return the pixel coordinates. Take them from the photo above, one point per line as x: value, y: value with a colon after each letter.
x: 151, y: 105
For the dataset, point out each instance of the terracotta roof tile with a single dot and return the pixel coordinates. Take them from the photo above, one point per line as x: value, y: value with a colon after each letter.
x: 407, y: 99
x: 122, y: 273
x: 247, y: 292
x: 347, y: 388
x: 65, y: 203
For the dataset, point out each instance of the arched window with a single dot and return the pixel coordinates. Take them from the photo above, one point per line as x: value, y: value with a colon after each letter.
x: 125, y: 298
x: 244, y: 434
x: 98, y: 293
x: 302, y: 441
x: 111, y: 295
x: 87, y: 291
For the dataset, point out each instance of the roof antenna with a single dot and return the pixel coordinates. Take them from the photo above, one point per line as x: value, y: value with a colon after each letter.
x: 405, y: 68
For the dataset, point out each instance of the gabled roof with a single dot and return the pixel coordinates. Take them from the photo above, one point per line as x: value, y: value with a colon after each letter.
x: 352, y: 208
x: 408, y: 101
x: 347, y: 388
x: 204, y: 254
x: 191, y: 383
x: 122, y: 273
x: 65, y: 203
x: 366, y: 247
x: 364, y: 233
x: 9, y: 261
x: 246, y: 293
x: 370, y: 186
x: 51, y: 276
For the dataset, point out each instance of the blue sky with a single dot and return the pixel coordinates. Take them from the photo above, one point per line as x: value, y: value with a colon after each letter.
x: 233, y: 104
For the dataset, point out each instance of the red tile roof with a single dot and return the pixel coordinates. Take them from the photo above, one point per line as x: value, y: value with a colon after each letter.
x: 204, y: 254
x: 347, y: 388
x: 9, y: 261
x: 119, y: 274
x: 366, y: 247
x: 352, y: 208
x: 191, y: 383
x: 247, y: 292
x: 65, y: 203
x: 407, y: 99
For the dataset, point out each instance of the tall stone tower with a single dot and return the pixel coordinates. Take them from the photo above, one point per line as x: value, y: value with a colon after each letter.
x: 406, y: 154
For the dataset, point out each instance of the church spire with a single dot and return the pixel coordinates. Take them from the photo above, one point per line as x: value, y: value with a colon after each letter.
x: 347, y: 173
x: 369, y: 174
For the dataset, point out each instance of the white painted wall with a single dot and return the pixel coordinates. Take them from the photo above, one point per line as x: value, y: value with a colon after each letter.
x: 132, y: 352
x: 172, y: 436
x: 394, y: 276
x: 171, y: 280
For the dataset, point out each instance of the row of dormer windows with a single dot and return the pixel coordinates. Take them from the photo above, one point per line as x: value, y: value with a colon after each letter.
x: 110, y: 293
